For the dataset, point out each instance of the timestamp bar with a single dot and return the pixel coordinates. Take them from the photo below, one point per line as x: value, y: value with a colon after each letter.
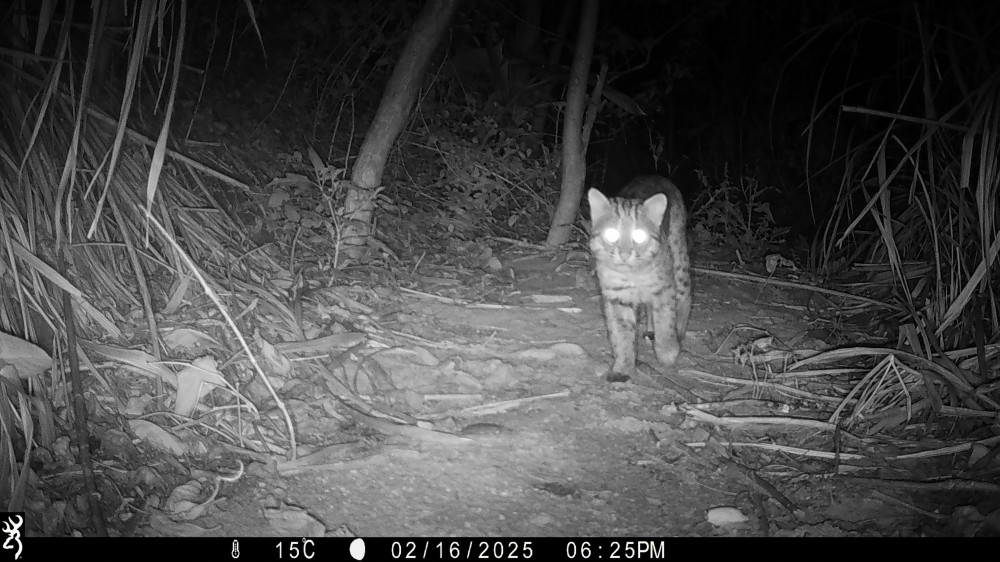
x: 252, y: 549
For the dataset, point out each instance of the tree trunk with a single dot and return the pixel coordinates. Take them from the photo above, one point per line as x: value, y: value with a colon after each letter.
x: 392, y: 114
x: 574, y: 162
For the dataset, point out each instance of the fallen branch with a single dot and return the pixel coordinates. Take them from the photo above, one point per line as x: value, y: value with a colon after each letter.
x: 503, y: 406
x: 769, y: 420
x: 794, y: 285
x: 785, y: 449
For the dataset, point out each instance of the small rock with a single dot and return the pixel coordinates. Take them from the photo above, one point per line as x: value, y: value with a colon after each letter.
x: 725, y: 516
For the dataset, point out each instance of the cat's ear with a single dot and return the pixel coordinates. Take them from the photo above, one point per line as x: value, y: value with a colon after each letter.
x: 600, y: 207
x: 655, y: 207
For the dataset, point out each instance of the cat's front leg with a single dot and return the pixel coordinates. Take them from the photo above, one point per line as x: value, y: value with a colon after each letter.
x: 621, y: 319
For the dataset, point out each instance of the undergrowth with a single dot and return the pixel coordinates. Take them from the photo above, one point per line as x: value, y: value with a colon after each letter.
x: 468, y: 173
x: 735, y: 214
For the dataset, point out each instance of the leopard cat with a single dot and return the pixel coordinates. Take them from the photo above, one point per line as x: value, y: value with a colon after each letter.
x: 639, y: 242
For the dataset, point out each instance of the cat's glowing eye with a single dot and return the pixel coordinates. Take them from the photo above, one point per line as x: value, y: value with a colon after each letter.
x: 639, y: 236
x: 611, y: 235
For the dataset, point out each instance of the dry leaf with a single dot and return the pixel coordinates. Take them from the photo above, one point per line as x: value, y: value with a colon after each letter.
x: 157, y: 436
x: 28, y: 359
x: 188, y: 338
x: 194, y: 382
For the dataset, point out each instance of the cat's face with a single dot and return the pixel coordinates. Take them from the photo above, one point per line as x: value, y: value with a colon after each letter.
x: 625, y: 232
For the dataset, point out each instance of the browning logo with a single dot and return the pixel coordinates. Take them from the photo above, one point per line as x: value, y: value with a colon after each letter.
x: 13, y: 532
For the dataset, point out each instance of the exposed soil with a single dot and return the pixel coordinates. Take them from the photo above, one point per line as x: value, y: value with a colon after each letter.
x: 586, y: 458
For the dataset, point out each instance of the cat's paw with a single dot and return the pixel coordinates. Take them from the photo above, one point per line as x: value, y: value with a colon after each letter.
x: 616, y: 377
x: 619, y: 375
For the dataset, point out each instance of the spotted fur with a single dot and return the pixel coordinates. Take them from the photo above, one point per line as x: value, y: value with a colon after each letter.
x: 636, y: 274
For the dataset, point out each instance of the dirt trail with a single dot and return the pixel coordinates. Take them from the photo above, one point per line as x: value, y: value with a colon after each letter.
x: 597, y: 459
